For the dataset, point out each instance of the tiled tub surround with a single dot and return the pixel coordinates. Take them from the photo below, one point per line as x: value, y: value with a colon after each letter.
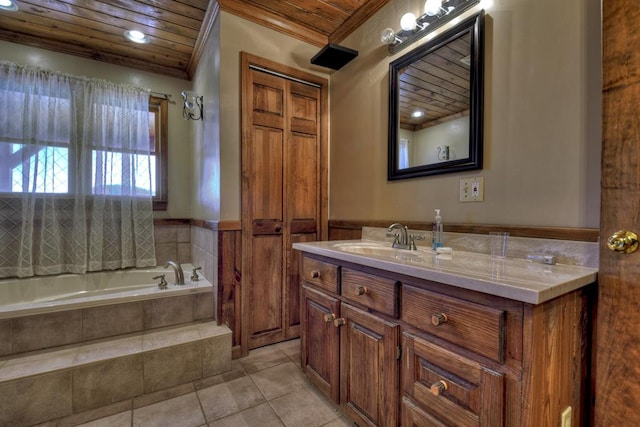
x: 204, y: 243
x: 470, y: 266
x: 34, y: 316
x: 42, y: 294
x: 81, y: 358
x: 172, y: 241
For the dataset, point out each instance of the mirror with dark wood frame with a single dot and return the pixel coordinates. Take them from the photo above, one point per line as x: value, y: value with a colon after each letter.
x: 436, y: 104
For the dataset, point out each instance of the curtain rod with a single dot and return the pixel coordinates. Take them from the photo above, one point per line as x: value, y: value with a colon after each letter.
x: 166, y: 96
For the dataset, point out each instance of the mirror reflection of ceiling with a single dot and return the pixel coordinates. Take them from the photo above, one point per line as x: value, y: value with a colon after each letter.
x: 437, y: 86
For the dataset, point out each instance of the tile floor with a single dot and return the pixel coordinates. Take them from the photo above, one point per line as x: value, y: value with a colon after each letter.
x: 266, y: 388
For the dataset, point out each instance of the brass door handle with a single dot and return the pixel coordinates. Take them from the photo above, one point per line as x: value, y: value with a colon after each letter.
x: 438, y: 319
x: 339, y: 322
x: 438, y: 387
x: 623, y: 241
x: 329, y: 317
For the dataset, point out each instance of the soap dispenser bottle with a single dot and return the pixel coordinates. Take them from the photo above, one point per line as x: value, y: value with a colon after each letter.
x: 436, y: 232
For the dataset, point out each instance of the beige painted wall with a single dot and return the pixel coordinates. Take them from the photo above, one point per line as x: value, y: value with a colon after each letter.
x: 205, y: 191
x: 542, y: 123
x: 239, y: 35
x: 179, y: 130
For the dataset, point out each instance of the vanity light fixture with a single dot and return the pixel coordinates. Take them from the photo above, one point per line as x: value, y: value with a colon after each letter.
x: 8, y: 5
x: 436, y: 13
x: 192, y: 108
x: 136, y: 36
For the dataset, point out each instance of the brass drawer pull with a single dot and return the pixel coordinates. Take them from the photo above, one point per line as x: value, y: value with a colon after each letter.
x: 339, y: 322
x: 329, y: 317
x: 438, y: 388
x: 438, y: 319
x: 315, y: 274
x: 361, y: 290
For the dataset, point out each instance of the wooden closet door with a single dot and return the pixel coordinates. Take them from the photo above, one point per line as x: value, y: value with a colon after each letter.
x: 266, y: 212
x: 302, y: 189
x: 281, y: 202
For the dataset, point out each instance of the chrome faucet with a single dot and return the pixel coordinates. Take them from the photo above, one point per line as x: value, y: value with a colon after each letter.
x: 178, y: 270
x: 400, y: 240
x: 403, y: 240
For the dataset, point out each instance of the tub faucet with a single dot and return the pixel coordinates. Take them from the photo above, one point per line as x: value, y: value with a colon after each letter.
x: 178, y: 270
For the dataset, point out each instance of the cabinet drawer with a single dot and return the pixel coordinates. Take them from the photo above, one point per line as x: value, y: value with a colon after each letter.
x: 321, y: 274
x: 473, y: 326
x: 444, y: 388
x: 377, y: 293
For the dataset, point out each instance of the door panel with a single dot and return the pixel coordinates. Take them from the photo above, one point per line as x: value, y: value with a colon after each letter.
x: 266, y: 174
x: 304, y: 109
x: 266, y: 313
x: 302, y: 170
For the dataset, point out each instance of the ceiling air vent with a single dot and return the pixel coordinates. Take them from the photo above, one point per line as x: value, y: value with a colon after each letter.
x: 334, y: 56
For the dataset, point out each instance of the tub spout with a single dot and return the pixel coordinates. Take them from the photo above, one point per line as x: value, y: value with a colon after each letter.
x: 178, y: 270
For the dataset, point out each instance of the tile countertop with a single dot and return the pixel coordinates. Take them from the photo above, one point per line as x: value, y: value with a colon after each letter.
x: 513, y: 278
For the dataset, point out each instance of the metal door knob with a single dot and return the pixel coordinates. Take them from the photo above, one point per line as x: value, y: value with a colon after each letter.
x: 623, y: 241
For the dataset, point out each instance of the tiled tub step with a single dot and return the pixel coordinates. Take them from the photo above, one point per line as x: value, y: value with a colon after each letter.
x: 50, y: 384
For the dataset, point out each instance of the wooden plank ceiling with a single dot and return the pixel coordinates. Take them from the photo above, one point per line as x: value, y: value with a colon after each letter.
x: 177, y: 29
x: 437, y: 85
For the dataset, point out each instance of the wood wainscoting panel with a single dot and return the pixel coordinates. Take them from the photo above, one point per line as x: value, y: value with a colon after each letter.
x: 229, y: 282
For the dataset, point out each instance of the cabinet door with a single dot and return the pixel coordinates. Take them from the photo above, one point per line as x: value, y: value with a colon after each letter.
x: 320, y: 340
x: 369, y: 368
x: 446, y: 388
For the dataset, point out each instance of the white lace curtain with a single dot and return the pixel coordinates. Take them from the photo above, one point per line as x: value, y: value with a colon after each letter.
x: 76, y: 174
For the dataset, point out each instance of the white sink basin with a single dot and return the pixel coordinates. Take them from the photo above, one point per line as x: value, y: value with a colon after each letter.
x: 380, y: 250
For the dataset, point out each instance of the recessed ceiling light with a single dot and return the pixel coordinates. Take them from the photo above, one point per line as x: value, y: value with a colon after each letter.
x: 135, y: 36
x: 417, y: 114
x: 9, y: 5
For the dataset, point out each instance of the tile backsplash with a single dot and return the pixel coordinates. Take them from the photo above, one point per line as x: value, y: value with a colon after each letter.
x: 173, y: 242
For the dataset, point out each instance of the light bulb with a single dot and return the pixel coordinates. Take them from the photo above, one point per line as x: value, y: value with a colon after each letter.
x: 408, y: 22
x: 388, y: 36
x: 432, y: 7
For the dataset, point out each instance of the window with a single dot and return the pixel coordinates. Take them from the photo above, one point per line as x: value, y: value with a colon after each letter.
x: 159, y: 131
x: 47, y: 169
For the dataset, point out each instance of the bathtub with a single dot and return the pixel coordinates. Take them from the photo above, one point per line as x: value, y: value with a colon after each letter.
x: 48, y: 294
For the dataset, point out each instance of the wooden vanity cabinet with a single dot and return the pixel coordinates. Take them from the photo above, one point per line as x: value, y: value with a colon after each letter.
x: 368, y: 367
x: 320, y: 341
x: 350, y: 354
x: 396, y: 350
